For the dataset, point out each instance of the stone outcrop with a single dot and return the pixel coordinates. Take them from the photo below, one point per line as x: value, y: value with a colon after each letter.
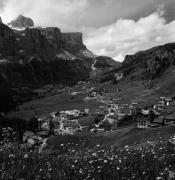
x: 22, y: 22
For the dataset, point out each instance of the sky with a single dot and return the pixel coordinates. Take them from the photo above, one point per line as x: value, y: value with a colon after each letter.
x: 112, y: 28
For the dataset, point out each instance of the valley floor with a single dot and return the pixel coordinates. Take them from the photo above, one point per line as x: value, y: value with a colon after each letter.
x: 131, y: 92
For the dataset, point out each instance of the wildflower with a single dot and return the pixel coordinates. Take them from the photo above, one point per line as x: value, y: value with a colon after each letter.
x: 11, y: 156
x: 166, y: 169
x: 142, y: 156
x: 9, y: 128
x: 26, y: 156
x: 158, y: 178
x: 80, y: 171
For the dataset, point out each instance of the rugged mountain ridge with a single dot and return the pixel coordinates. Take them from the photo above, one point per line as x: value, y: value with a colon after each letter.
x: 43, y: 54
x: 68, y: 46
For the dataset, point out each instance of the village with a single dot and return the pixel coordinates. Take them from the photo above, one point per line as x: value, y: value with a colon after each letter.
x: 108, y: 117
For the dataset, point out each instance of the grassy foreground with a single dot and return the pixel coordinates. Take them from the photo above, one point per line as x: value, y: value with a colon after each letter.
x: 77, y: 160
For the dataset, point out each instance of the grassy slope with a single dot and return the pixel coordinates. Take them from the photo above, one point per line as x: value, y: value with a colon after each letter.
x: 144, y: 93
x: 125, y: 136
x: 50, y: 104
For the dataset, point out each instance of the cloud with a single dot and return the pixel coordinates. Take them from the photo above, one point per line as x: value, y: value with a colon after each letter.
x: 74, y: 14
x: 127, y: 36
x: 61, y: 13
x: 110, y: 27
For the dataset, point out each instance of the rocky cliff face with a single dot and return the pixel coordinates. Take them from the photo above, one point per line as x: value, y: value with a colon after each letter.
x: 72, y: 42
x: 151, y: 63
x: 7, y: 41
x: 53, y: 35
x: 32, y: 43
x: 41, y: 55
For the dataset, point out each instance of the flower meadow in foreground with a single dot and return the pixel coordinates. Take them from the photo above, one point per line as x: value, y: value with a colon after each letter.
x: 150, y: 161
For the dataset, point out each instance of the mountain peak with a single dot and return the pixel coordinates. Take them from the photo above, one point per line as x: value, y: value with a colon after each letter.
x: 22, y: 22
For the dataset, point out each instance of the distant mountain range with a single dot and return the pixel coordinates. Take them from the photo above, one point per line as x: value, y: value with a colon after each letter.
x: 40, y: 55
